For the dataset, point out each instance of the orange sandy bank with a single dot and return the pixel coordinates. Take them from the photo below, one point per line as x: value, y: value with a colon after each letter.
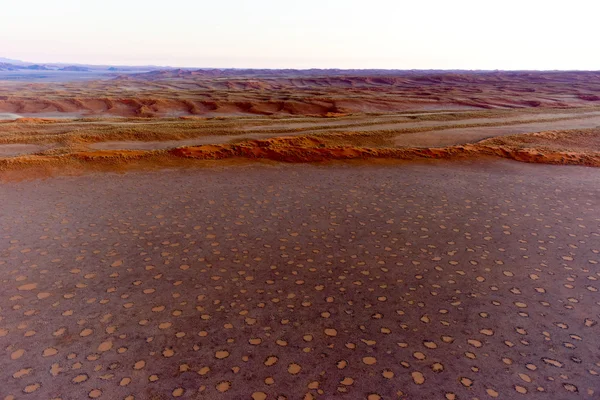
x: 302, y: 150
x: 310, y: 149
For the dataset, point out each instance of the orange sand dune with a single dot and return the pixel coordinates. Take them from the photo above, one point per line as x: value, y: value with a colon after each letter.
x: 525, y: 148
x: 294, y: 149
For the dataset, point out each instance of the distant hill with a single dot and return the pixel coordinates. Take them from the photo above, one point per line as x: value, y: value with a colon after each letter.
x: 126, y: 69
x: 37, y: 67
x: 75, y: 68
x: 11, y: 69
x: 4, y: 66
x: 4, y: 60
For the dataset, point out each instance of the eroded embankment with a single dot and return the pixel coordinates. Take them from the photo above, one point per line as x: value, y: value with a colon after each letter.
x: 306, y: 150
x: 310, y: 149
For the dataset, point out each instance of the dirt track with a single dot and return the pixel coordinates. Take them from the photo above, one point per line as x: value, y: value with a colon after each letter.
x: 454, y: 136
x: 423, y: 280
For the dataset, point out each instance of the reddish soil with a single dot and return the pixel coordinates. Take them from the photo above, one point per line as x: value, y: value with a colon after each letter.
x: 427, y: 281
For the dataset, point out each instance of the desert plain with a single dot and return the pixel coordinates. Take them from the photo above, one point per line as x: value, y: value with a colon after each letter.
x: 301, y: 234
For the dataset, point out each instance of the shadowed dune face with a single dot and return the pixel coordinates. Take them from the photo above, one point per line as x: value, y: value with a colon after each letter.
x: 288, y: 92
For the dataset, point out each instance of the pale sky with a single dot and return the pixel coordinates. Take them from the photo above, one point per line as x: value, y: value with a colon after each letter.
x: 399, y: 34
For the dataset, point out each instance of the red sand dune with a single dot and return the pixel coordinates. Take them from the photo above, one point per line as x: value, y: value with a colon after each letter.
x: 310, y: 92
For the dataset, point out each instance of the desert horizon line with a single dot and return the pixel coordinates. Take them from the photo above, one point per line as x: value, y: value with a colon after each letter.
x: 9, y: 60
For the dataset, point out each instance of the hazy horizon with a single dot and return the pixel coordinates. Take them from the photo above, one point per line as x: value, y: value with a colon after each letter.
x: 193, y: 67
x: 463, y: 34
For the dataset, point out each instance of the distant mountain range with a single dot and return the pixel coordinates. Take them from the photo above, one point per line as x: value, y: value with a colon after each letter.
x: 4, y: 66
x: 4, y: 60
x: 8, y: 64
